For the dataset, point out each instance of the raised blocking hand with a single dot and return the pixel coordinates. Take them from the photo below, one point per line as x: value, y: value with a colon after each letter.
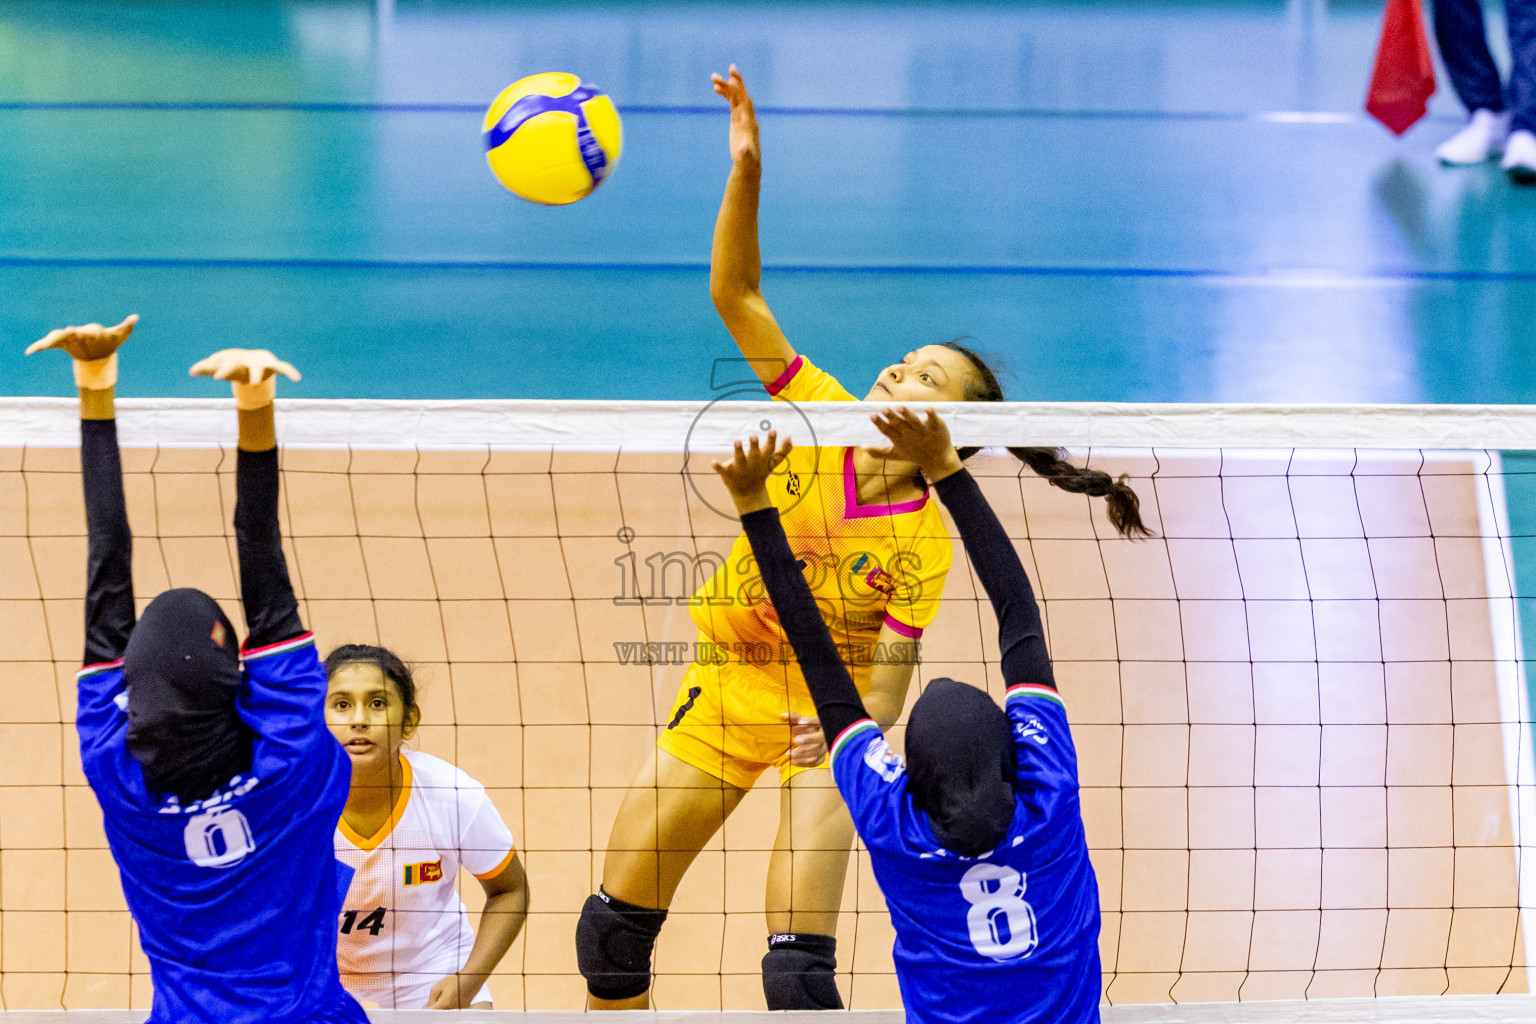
x: 746, y: 475
x: 94, y: 350
x: 923, y: 440
x: 88, y: 343
x: 244, y: 366
x: 252, y: 372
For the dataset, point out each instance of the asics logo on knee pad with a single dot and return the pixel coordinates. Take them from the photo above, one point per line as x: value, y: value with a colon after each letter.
x: 799, y: 972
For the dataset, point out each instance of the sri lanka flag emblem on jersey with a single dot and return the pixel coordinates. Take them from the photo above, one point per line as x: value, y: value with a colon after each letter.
x: 426, y: 871
x: 878, y: 578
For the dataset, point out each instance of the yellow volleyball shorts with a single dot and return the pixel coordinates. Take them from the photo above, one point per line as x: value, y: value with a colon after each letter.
x: 728, y: 720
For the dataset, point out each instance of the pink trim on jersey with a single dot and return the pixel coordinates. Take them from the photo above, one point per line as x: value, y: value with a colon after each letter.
x: 100, y: 666
x: 291, y: 643
x: 783, y: 379
x: 851, y: 507
x: 911, y: 632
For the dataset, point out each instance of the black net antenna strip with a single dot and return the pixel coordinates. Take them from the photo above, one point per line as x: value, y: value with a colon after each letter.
x: 1299, y: 709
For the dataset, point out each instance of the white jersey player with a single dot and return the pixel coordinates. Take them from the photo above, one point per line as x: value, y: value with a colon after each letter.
x: 411, y: 822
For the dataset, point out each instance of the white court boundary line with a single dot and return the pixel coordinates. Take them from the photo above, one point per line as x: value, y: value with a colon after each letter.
x: 665, y: 426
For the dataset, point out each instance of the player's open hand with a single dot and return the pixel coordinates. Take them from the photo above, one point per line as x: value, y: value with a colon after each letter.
x: 244, y: 366
x: 746, y: 475
x: 87, y: 343
x: 807, y: 743
x: 743, y: 139
x: 923, y: 440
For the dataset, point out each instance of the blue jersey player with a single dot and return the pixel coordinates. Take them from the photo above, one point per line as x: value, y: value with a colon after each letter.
x: 976, y: 836
x: 220, y: 785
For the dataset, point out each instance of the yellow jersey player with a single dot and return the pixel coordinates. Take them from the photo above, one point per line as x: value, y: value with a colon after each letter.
x: 411, y: 822
x: 875, y: 553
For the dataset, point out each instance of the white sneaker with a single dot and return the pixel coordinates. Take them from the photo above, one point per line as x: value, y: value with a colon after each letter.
x: 1482, y: 138
x: 1520, y: 157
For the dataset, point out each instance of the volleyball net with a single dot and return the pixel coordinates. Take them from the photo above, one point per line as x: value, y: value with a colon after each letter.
x: 1300, y: 710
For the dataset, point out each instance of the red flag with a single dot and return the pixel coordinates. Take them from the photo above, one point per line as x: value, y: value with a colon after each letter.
x: 1404, y: 77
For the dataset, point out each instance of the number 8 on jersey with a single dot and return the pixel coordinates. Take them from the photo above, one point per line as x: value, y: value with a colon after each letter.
x: 1002, y: 925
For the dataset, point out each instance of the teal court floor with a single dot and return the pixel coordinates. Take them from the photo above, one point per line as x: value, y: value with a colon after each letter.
x: 1163, y: 200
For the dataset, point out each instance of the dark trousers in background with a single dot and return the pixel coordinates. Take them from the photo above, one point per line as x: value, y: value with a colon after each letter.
x: 1464, y: 48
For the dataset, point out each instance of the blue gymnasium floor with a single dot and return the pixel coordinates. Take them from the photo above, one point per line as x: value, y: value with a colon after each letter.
x: 1137, y: 201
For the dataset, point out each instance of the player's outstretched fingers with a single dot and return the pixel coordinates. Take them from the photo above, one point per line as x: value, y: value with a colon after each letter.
x: 904, y: 429
x: 244, y: 366
x: 47, y: 341
x: 208, y: 367
x: 286, y: 369
x: 88, y: 342
x: 262, y: 365
x: 730, y: 85
x: 118, y: 333
x: 883, y: 423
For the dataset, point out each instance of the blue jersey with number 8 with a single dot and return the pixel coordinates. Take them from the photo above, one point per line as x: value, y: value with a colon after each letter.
x: 1008, y: 937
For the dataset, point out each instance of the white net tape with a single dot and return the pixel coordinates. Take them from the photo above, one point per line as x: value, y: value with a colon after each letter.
x: 667, y: 426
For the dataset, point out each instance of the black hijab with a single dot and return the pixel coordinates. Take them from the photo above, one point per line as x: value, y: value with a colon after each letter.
x: 960, y: 766
x: 182, y: 670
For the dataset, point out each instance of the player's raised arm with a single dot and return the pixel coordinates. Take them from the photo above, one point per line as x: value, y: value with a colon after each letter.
x: 735, y: 265
x: 163, y: 726
x: 837, y: 699
x: 272, y: 613
x: 1021, y: 635
x: 109, y: 609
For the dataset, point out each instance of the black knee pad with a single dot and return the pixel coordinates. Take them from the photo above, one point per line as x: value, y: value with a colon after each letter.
x: 614, y: 940
x: 799, y: 972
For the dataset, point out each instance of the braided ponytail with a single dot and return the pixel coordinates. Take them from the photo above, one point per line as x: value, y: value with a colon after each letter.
x: 1049, y: 464
x: 1124, y: 505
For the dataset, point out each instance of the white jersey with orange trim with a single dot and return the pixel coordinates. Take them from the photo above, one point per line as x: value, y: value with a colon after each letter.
x: 403, y: 926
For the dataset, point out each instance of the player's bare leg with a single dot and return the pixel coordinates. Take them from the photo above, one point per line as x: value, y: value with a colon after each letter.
x: 805, y: 890
x: 671, y: 812
x: 810, y: 856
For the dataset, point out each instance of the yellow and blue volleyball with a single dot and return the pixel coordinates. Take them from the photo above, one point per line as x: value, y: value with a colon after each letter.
x: 552, y: 138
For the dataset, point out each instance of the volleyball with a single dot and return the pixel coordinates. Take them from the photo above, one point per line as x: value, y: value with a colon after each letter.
x: 552, y: 138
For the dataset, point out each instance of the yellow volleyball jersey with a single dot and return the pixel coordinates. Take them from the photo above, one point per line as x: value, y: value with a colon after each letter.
x: 867, y: 565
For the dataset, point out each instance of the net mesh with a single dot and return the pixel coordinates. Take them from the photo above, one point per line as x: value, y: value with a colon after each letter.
x: 1299, y: 709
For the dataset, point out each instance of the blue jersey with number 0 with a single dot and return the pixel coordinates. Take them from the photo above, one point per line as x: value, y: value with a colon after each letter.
x: 1008, y: 937
x: 235, y: 896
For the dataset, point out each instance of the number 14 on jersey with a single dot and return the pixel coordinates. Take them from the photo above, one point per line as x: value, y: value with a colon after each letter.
x: 373, y: 923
